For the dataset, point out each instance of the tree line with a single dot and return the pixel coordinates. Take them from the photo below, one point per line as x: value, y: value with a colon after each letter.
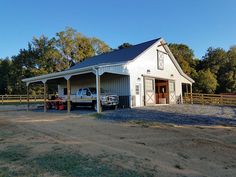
x: 46, y: 55
x: 214, y: 73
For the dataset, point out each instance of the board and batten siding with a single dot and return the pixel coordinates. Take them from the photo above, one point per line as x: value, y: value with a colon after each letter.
x: 118, y: 84
x: 112, y: 83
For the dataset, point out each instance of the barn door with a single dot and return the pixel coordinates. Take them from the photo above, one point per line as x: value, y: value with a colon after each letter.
x: 172, y: 92
x: 149, y: 91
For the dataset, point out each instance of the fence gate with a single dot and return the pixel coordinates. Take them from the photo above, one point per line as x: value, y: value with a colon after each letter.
x: 149, y: 87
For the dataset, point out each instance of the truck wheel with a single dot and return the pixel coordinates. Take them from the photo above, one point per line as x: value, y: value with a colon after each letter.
x: 71, y: 105
x: 95, y: 106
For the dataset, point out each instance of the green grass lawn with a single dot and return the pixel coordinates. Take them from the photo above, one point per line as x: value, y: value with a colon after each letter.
x: 60, y: 161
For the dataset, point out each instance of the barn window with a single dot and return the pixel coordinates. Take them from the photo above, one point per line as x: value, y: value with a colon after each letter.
x: 149, y: 85
x: 160, y: 60
x: 137, y: 89
x: 172, y: 86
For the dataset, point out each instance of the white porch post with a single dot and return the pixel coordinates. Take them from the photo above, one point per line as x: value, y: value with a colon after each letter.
x: 27, y: 86
x: 68, y: 96
x: 68, y: 92
x: 98, y: 91
x: 45, y: 95
x: 191, y: 94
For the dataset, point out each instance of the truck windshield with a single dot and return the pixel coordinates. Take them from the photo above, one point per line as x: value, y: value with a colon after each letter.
x: 94, y: 90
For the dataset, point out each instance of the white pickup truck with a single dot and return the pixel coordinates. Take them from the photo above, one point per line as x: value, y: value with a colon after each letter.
x: 88, y: 97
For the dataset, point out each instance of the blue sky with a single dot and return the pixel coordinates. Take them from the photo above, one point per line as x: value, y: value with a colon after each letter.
x: 197, y: 23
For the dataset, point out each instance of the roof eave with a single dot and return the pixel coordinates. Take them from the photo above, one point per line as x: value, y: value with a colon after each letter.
x: 63, y: 74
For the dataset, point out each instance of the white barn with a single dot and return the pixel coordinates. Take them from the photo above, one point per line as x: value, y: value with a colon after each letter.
x: 141, y: 75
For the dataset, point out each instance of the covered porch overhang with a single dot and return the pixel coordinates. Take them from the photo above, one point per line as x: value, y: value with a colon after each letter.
x: 98, y: 71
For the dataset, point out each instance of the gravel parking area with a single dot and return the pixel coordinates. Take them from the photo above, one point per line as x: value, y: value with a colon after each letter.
x: 181, y: 114
x: 177, y: 114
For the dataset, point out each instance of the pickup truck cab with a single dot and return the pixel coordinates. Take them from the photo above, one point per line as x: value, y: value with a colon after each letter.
x: 88, y: 97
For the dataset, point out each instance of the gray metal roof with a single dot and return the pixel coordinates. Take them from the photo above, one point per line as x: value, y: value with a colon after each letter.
x: 116, y: 56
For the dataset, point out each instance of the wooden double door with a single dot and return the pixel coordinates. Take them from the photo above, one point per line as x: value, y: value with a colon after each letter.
x: 162, y: 91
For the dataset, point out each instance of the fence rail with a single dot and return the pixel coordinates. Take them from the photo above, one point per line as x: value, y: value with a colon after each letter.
x: 210, y: 99
x: 6, y: 99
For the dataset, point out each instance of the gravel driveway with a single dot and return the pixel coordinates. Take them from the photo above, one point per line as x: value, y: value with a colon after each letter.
x: 177, y: 114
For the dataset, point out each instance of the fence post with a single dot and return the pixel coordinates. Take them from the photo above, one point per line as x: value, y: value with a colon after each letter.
x: 187, y: 98
x: 221, y: 100
x: 191, y: 94
x: 20, y: 99
x: 202, y: 99
x: 2, y: 99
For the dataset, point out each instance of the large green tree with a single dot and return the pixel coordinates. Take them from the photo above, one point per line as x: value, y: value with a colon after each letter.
x: 99, y: 47
x: 205, y: 82
x: 215, y: 60
x: 75, y: 47
x: 48, y: 58
x: 124, y: 45
x: 185, y: 57
x: 227, y: 73
x: 215, y: 73
x: 23, y: 66
x: 5, y: 71
x: 46, y: 55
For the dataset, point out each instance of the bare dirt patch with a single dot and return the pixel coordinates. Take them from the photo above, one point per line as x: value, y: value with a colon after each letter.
x: 54, y: 144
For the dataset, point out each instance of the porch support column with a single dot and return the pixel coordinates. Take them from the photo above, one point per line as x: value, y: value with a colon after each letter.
x: 68, y: 93
x: 186, y: 85
x: 98, y: 87
x: 45, y: 96
x: 191, y: 94
x: 27, y: 87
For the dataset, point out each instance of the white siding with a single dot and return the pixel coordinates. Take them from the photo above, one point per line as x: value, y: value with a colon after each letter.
x: 113, y: 83
x: 148, y: 61
x: 116, y: 84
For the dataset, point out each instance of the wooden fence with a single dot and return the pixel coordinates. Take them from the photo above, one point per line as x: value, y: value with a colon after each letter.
x: 20, y: 99
x: 210, y: 99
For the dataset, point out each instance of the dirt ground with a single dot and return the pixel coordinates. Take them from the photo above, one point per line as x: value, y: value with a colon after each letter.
x: 53, y: 144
